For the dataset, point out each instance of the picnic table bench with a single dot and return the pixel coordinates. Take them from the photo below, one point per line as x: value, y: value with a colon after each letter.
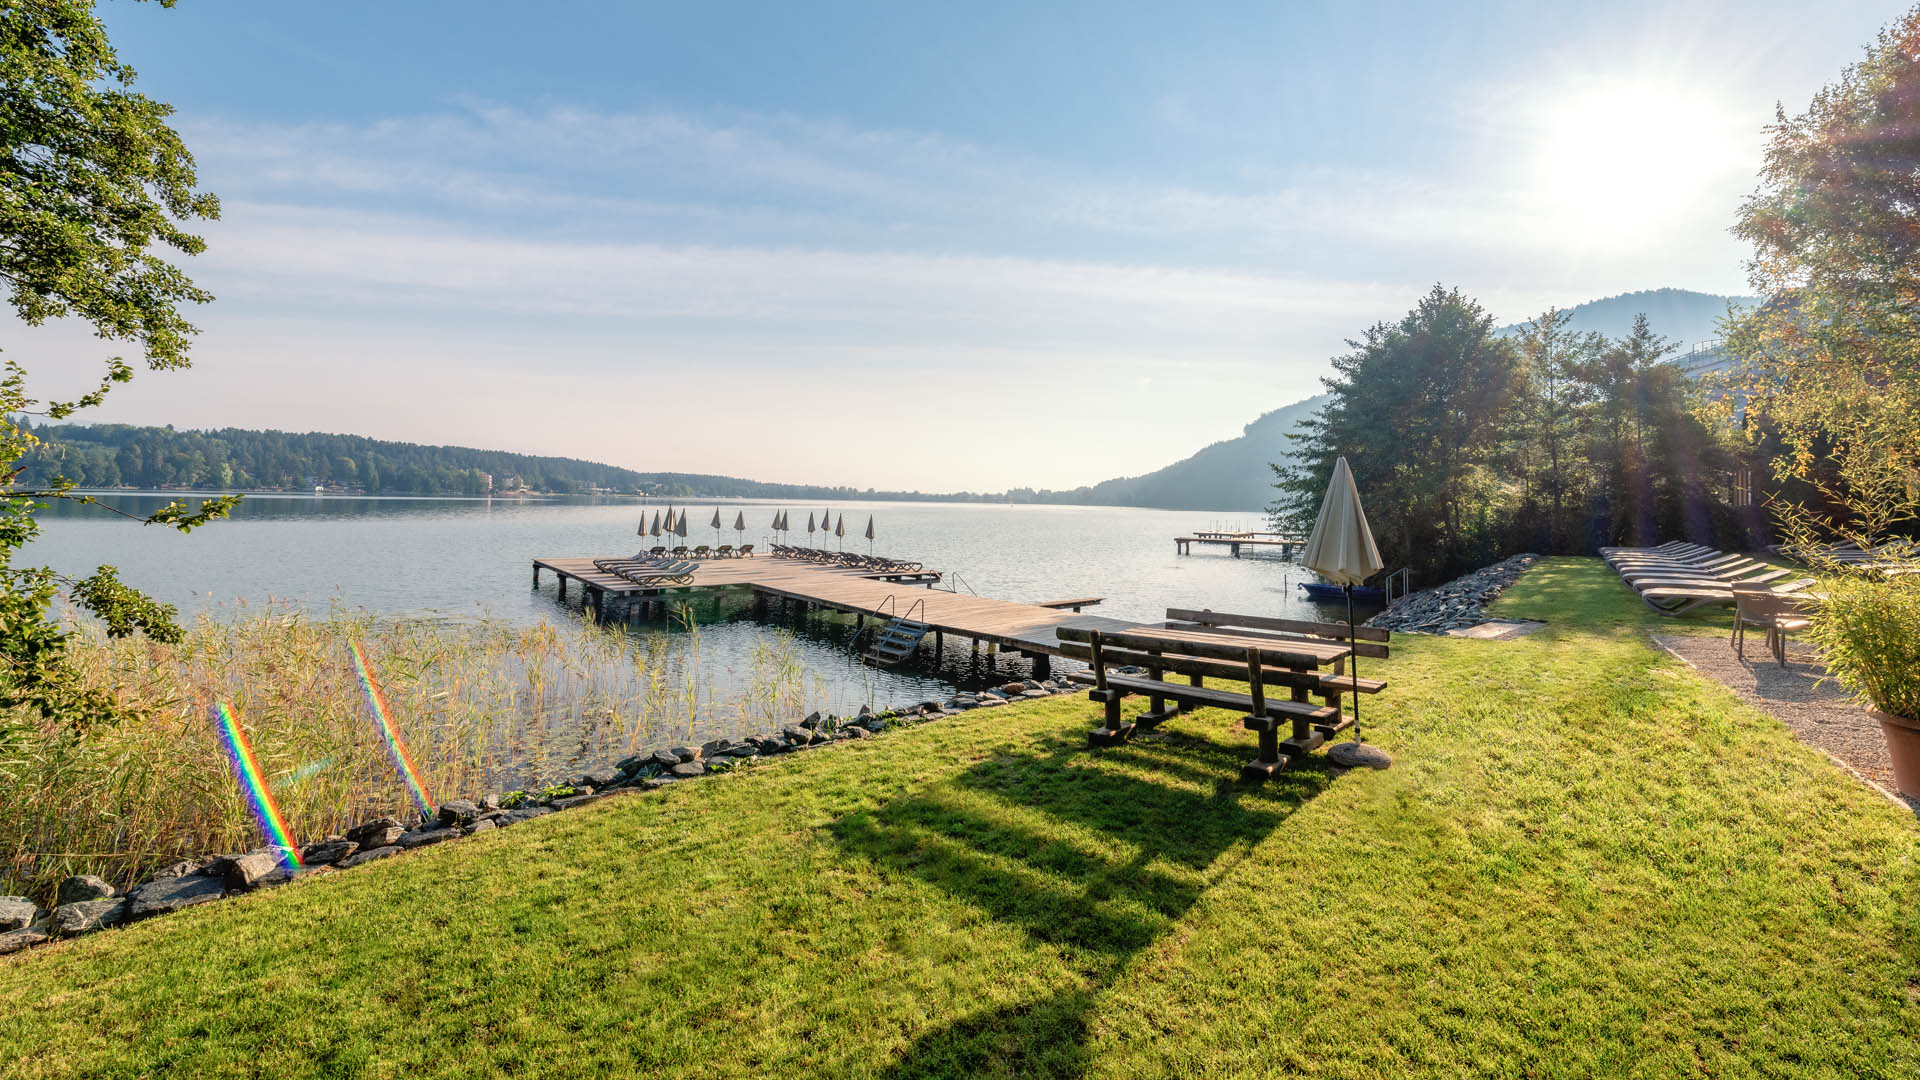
x: 1261, y: 652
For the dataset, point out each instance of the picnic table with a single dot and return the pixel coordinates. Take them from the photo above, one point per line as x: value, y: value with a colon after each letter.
x: 1303, y: 659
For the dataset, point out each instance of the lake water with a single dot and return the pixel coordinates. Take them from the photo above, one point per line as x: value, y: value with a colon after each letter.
x: 472, y: 558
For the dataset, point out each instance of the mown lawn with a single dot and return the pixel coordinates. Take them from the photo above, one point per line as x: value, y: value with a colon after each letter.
x: 1586, y: 862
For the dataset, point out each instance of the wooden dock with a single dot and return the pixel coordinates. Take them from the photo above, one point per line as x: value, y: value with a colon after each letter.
x: 1288, y: 544
x: 1006, y: 624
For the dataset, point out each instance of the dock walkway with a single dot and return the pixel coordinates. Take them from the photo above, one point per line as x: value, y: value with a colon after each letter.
x: 1026, y: 628
x: 1183, y: 545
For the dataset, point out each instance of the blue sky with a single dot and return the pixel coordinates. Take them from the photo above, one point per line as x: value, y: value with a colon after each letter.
x: 1049, y: 243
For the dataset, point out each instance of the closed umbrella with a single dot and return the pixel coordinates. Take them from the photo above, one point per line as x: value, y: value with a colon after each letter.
x: 680, y: 525
x: 656, y: 530
x: 740, y: 527
x: 1342, y: 551
x: 809, y: 530
x: 840, y: 531
x: 715, y: 524
x: 869, y: 534
x: 826, y: 526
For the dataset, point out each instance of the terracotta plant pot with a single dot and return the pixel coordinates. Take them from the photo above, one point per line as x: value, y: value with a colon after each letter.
x: 1903, y: 746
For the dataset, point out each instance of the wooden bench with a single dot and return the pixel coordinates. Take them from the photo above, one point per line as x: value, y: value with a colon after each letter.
x: 1259, y: 651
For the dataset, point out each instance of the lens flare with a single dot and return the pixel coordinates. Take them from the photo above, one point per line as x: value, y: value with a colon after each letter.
x: 252, y: 784
x: 383, y: 716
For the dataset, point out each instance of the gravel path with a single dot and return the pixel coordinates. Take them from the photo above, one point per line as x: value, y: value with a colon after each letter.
x: 1820, y: 714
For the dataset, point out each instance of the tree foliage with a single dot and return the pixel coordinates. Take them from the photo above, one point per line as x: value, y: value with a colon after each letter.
x: 1469, y: 446
x: 1829, y: 369
x: 94, y: 190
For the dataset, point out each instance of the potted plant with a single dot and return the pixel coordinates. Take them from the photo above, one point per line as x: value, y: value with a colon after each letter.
x: 1868, y: 627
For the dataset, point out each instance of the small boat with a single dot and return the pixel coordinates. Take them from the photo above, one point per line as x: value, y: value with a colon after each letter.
x: 1319, y: 590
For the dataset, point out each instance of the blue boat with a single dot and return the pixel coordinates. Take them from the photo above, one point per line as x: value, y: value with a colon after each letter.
x: 1318, y: 590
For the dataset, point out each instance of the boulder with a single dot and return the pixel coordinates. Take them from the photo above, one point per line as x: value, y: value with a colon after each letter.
x: 1014, y: 689
x: 368, y: 856
x: 986, y: 702
x: 688, y: 769
x: 743, y: 750
x: 81, y: 916
x: 525, y: 813
x: 604, y: 776
x: 572, y: 801
x: 84, y: 887
x: 483, y: 825
x: 798, y: 736
x: 245, y: 871
x: 852, y: 731
x: 1036, y: 693
x: 330, y: 850
x: 162, y: 895
x: 686, y: 753
x: 457, y: 813
x: 420, y: 838
x: 15, y: 940
x: 18, y: 913
x: 812, y: 721
x: 489, y: 803
x: 380, y: 832
x: 714, y: 747
x: 666, y: 759
x: 179, y: 869
x: 657, y: 783
x: 631, y: 765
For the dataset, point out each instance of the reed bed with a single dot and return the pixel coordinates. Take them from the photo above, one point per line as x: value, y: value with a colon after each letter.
x: 479, y: 707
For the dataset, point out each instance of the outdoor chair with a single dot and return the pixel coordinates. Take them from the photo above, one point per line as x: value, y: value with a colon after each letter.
x: 724, y: 551
x: 1761, y: 608
x: 745, y: 552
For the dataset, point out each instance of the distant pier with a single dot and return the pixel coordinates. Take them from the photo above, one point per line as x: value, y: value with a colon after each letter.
x: 1286, y: 542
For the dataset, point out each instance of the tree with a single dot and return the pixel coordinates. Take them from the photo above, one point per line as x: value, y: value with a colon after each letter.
x: 1831, y: 359
x: 94, y: 187
x: 1554, y: 404
x: 1418, y: 408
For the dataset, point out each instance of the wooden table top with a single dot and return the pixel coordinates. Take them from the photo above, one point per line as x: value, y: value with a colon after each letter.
x: 1283, y: 652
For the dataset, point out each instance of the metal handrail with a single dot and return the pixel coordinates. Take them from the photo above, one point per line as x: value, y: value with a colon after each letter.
x: 882, y: 604
x: 954, y: 577
x: 918, y: 605
x: 1405, y: 574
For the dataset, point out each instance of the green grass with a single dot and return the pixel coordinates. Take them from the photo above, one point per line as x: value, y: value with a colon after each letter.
x: 1586, y: 862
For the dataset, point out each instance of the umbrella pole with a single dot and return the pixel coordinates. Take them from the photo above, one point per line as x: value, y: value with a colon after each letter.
x: 1353, y: 667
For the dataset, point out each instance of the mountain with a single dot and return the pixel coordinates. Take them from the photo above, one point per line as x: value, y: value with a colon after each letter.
x: 1228, y: 475
x: 1681, y: 316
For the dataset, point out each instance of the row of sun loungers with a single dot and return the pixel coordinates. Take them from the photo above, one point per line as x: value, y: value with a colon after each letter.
x: 652, y: 572
x: 851, y: 559
x: 724, y: 551
x: 1891, y: 558
x: 1677, y: 577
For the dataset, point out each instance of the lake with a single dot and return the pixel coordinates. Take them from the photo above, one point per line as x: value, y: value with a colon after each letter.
x: 471, y: 558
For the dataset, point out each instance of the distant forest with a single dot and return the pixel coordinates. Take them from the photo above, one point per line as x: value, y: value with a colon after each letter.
x: 238, y: 459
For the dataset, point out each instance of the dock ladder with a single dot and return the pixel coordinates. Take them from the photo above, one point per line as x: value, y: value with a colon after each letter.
x: 898, y: 639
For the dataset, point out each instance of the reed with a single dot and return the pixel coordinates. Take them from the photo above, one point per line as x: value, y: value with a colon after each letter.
x: 480, y: 706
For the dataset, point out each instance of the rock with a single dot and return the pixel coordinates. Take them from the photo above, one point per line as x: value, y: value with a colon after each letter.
x: 244, y: 871
x: 18, y: 913
x: 865, y: 712
x: 171, y: 894
x: 81, y: 916
x: 743, y: 750
x: 15, y: 940
x: 286, y: 875
x: 420, y: 838
x: 658, y: 782
x: 930, y: 707
x: 812, y: 721
x: 84, y: 887
x: 715, y: 747
x: 179, y: 869
x: 379, y: 832
x: 798, y: 736
x: 1014, y: 689
x: 603, y: 776
x: 986, y: 702
x: 853, y: 731
x: 368, y: 856
x: 631, y: 765
x: 458, y: 812
x: 330, y: 850
x: 666, y: 759
x: 876, y: 725
x: 483, y: 825
x: 1353, y: 755
x: 489, y: 803
x: 688, y: 769
x: 1036, y: 693
x: 686, y: 753
x: 572, y: 801
x: 525, y: 813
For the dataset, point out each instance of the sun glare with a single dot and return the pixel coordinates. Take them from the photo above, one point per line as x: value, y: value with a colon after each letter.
x: 1615, y: 160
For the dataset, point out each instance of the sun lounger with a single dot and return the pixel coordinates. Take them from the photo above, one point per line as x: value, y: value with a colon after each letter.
x: 1680, y: 599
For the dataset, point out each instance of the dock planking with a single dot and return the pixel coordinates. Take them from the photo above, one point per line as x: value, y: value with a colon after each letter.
x: 1027, y: 628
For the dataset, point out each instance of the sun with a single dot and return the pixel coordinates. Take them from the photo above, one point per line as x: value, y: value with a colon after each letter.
x: 1617, y: 160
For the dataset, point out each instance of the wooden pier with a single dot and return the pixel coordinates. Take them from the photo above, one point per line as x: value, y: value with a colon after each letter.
x: 1005, y: 624
x: 1288, y: 544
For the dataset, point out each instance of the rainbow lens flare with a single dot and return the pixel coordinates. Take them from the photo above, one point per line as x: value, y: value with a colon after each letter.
x: 252, y: 784
x: 383, y: 716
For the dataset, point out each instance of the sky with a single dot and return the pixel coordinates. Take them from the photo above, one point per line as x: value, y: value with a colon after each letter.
x: 913, y: 246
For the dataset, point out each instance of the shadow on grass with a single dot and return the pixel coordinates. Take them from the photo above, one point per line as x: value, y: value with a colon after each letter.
x: 1092, y: 854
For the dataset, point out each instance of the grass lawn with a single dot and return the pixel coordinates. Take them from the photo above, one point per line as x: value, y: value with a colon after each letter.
x: 1586, y: 862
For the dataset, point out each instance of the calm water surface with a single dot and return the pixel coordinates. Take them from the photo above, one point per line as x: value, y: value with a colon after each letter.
x: 472, y: 558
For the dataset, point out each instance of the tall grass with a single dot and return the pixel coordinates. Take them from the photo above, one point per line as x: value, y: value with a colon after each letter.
x: 480, y: 706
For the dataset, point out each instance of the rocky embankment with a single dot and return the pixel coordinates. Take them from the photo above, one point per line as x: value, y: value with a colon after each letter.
x: 1457, y: 605
x: 86, y: 903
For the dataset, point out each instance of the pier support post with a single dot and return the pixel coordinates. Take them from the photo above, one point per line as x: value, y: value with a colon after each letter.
x: 1042, y: 666
x: 536, y: 575
x: 563, y: 588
